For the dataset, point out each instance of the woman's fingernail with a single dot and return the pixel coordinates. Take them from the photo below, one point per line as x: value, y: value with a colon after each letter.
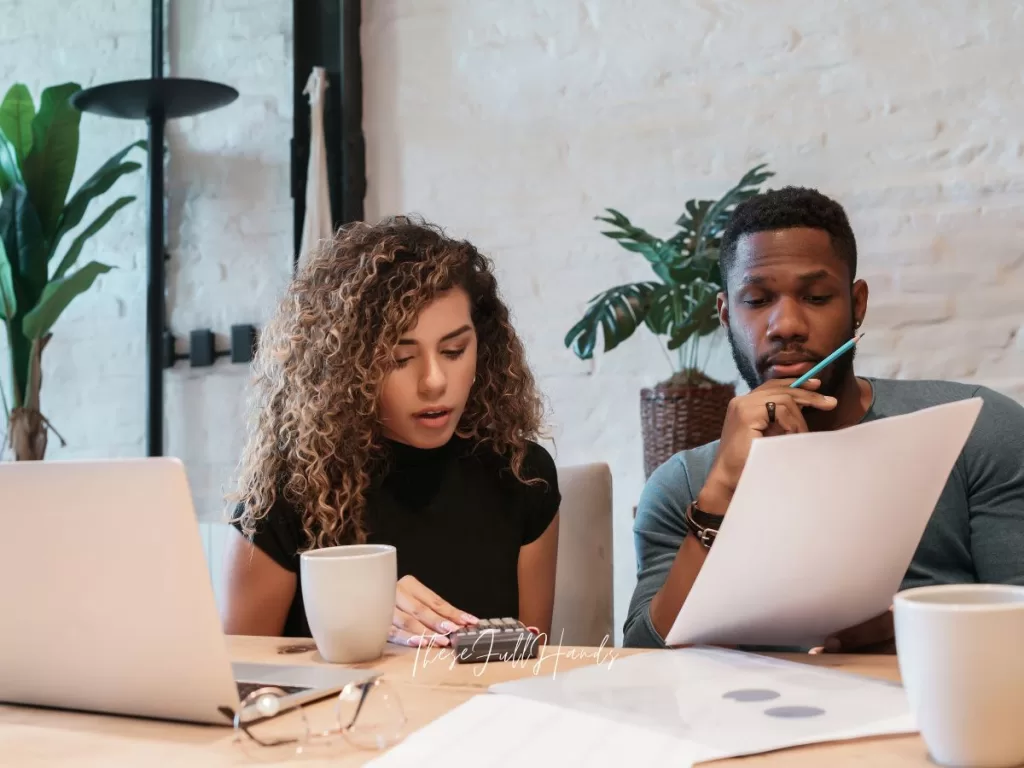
x: 470, y: 618
x: 441, y: 640
x: 414, y: 641
x: 447, y: 626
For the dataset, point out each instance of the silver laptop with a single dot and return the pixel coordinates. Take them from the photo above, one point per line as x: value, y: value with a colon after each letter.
x: 106, y: 601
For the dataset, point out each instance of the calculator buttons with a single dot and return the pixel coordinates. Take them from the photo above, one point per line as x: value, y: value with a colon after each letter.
x: 501, y: 639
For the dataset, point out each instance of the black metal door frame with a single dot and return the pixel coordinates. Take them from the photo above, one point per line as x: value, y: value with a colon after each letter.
x: 326, y: 34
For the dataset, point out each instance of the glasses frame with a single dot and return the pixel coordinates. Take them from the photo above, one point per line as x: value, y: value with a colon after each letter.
x: 365, y: 687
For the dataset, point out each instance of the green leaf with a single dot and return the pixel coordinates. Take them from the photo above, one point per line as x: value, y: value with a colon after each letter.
x: 661, y: 310
x: 617, y: 313
x: 710, y: 230
x: 50, y: 166
x: 714, y: 266
x: 58, y: 295
x: 662, y: 256
x: 628, y: 230
x: 98, y: 223
x: 23, y: 239
x: 689, y: 223
x: 700, y: 321
x: 102, y: 180
x: 10, y: 172
x: 680, y: 313
x: 16, y: 114
x: 8, y: 300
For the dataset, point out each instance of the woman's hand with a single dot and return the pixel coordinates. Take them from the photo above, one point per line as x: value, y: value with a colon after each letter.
x: 422, y: 617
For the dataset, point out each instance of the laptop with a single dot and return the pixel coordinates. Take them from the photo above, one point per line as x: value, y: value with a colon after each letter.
x: 107, y: 603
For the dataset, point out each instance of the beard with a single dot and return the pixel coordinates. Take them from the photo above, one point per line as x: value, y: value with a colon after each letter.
x: 832, y: 377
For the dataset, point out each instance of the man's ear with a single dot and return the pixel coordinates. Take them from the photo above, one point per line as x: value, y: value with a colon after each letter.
x: 860, y: 301
x: 723, y: 309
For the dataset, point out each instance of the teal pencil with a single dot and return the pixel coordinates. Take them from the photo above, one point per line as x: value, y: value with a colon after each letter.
x: 816, y: 369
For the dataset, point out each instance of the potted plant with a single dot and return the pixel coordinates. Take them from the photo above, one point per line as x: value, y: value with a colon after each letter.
x: 38, y: 154
x: 687, y: 409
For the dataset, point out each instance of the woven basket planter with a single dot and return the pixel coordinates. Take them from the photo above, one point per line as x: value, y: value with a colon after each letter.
x: 675, y: 417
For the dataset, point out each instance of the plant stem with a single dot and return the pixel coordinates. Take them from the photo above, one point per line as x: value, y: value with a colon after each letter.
x: 7, y: 421
x: 14, y: 378
x: 16, y: 347
x: 3, y: 395
x: 48, y: 425
x: 3, y: 401
x: 710, y: 348
x: 664, y: 351
x: 677, y: 321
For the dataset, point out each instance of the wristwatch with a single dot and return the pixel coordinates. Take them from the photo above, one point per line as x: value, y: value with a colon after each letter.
x: 703, y: 525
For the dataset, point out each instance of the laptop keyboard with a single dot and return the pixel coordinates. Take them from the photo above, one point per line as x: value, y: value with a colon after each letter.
x: 244, y: 689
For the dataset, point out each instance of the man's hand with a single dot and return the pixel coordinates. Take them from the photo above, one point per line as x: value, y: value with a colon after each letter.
x: 875, y: 635
x: 422, y: 617
x: 747, y: 419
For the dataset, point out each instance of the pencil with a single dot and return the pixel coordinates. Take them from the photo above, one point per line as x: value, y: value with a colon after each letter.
x: 816, y: 369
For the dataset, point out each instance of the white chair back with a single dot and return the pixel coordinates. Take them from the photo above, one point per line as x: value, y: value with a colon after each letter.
x: 583, y: 610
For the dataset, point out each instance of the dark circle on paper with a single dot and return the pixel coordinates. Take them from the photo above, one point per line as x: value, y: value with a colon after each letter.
x: 794, y: 712
x: 752, y: 694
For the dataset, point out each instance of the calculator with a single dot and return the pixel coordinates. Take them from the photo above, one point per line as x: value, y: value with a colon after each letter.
x: 494, y: 640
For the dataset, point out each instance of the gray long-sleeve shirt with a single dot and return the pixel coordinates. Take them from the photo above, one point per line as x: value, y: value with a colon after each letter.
x: 976, y: 533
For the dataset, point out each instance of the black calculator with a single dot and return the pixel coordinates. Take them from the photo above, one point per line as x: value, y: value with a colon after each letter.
x: 494, y: 640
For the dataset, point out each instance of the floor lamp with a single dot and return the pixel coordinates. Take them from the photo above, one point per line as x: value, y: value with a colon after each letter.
x: 155, y: 100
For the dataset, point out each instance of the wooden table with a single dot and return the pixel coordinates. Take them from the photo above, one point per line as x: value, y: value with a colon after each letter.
x: 36, y: 737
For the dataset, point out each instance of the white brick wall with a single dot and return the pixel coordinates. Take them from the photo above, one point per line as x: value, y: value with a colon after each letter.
x: 229, y: 220
x: 515, y: 123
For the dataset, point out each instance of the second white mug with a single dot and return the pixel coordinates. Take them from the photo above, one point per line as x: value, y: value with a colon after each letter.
x: 960, y: 656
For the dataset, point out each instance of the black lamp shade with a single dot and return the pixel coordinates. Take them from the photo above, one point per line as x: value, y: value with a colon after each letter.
x: 170, y: 98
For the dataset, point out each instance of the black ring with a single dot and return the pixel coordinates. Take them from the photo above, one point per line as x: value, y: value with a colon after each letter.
x: 771, y: 412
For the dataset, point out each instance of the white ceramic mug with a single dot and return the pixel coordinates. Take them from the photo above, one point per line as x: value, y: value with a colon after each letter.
x: 961, y: 656
x: 349, y: 596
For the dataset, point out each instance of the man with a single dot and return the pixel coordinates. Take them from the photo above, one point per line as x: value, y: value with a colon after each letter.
x: 790, y: 297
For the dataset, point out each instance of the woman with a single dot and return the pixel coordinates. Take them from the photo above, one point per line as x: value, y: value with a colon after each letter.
x: 393, y: 404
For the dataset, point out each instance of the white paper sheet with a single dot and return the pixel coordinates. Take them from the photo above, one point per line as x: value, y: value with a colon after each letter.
x: 822, y: 528
x: 724, y: 703
x: 493, y: 731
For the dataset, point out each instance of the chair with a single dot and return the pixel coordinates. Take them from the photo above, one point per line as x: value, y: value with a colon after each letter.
x: 583, y: 612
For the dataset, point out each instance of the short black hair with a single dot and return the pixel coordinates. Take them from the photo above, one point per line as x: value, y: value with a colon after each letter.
x: 785, y: 208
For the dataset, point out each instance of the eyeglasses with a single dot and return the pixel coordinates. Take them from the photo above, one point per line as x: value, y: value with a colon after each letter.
x: 366, y: 715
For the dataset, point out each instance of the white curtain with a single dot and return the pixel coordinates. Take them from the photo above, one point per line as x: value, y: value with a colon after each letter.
x: 317, y: 224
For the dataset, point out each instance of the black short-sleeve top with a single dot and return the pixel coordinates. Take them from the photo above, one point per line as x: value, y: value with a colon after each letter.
x: 457, y: 516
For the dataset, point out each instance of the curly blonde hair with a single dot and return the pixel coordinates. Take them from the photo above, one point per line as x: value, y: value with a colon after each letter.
x: 314, y: 433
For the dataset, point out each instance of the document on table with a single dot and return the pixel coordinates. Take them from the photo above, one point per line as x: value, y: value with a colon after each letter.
x: 822, y: 528
x: 492, y: 731
x: 722, y: 703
